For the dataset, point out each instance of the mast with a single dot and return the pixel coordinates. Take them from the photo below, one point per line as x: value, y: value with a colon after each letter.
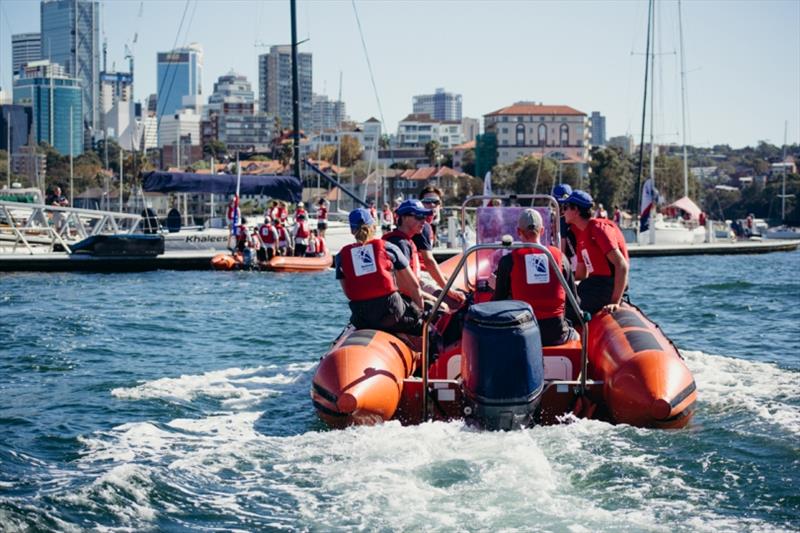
x: 295, y: 93
x: 783, y: 164
x: 71, y: 173
x: 121, y: 176
x: 683, y: 105
x: 644, y: 111
x: 8, y: 138
x: 652, y: 228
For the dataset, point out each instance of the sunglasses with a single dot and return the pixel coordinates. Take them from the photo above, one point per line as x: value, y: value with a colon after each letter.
x: 434, y: 201
x: 421, y: 217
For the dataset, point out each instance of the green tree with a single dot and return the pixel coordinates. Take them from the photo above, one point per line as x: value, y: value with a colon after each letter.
x: 611, y: 181
x: 432, y: 151
x: 468, y: 162
x: 384, y: 142
x: 351, y: 150
x: 216, y: 149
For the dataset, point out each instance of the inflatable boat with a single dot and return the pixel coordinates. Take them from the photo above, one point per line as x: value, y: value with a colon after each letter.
x: 227, y: 261
x: 299, y: 264
x: 484, y: 362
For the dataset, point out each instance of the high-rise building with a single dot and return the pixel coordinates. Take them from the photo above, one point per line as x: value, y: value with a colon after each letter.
x: 25, y: 47
x: 440, y: 105
x: 231, y: 117
x: 54, y: 98
x: 233, y: 93
x: 326, y: 114
x: 117, y: 110
x: 598, y: 129
x: 71, y: 38
x: 179, y: 75
x: 14, y: 135
x: 275, y: 85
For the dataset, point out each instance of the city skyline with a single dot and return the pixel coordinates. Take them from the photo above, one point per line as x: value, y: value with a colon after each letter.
x: 740, y: 90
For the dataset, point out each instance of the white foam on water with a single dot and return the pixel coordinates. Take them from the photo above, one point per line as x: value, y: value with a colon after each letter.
x: 582, y: 476
x: 237, y: 388
x: 764, y: 391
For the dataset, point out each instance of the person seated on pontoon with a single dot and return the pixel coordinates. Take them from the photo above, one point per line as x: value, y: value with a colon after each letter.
x: 378, y: 281
x: 412, y: 223
x: 526, y: 274
x: 602, y: 255
x: 300, y: 234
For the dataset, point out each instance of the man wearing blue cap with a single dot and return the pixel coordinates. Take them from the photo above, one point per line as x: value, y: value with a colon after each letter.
x: 412, y: 221
x: 561, y: 192
x: 602, y: 255
x: 373, y: 274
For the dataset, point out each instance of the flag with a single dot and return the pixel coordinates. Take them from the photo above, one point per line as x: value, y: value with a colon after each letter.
x: 235, y: 214
x: 649, y: 196
x: 487, y: 186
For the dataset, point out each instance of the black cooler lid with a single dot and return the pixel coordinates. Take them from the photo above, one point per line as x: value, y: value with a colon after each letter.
x: 500, y: 314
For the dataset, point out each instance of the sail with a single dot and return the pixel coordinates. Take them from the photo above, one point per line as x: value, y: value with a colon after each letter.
x: 487, y: 186
x: 649, y: 198
x: 287, y: 188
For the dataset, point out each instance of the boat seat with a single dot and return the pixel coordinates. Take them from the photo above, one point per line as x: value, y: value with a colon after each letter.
x: 562, y: 362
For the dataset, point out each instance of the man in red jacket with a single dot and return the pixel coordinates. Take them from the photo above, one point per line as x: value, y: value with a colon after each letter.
x: 526, y: 274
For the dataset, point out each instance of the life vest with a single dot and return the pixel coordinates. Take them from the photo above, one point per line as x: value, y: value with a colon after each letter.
x: 282, y: 236
x: 386, y: 217
x: 321, y: 248
x: 597, y: 264
x: 533, y: 281
x: 302, y: 230
x: 241, y: 233
x: 322, y: 213
x: 311, y: 249
x: 299, y: 212
x: 414, y: 259
x: 367, y: 270
x: 282, y: 214
x: 267, y: 234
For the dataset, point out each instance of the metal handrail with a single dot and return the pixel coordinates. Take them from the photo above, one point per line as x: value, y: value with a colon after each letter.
x: 36, y: 220
x: 505, y: 245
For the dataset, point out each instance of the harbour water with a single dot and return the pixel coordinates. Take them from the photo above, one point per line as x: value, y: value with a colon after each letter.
x: 180, y: 401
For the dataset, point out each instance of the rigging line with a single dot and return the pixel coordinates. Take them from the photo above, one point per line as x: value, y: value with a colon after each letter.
x: 170, y: 63
x: 189, y: 25
x: 369, y: 65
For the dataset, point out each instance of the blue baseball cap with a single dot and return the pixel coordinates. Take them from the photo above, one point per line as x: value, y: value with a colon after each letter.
x: 413, y: 207
x: 579, y: 198
x: 562, y: 191
x: 360, y: 217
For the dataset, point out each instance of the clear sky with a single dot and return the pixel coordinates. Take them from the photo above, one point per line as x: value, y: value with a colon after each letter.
x: 742, y: 57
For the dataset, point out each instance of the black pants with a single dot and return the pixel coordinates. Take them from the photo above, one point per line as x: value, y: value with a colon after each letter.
x: 300, y: 249
x: 392, y: 314
x: 595, y: 292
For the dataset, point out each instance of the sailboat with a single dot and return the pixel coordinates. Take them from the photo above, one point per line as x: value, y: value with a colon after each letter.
x: 784, y: 231
x: 654, y: 228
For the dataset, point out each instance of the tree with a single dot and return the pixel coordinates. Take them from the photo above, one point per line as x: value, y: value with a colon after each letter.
x: 351, y: 150
x: 468, y: 162
x: 216, y: 149
x: 611, y: 182
x: 384, y: 142
x: 432, y: 151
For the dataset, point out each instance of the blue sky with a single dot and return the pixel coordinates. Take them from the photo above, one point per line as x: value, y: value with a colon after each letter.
x: 742, y: 57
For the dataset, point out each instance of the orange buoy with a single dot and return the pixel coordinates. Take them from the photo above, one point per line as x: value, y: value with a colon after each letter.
x: 224, y: 261
x: 646, y: 382
x: 360, y: 380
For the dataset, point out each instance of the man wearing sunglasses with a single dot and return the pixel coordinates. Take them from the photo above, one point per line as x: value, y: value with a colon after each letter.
x: 412, y: 216
x: 602, y: 255
x: 426, y: 238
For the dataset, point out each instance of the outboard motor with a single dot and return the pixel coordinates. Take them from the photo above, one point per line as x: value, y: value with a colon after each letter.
x: 501, y: 365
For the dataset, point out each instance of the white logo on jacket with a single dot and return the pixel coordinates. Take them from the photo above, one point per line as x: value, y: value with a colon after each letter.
x: 536, y: 270
x: 363, y: 260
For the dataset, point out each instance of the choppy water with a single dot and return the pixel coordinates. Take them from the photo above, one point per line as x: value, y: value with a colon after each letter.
x: 179, y: 401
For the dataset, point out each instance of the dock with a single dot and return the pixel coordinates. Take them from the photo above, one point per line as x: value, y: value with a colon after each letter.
x: 201, y: 259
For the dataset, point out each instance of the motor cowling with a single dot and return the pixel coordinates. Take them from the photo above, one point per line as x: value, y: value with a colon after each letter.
x: 501, y: 365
